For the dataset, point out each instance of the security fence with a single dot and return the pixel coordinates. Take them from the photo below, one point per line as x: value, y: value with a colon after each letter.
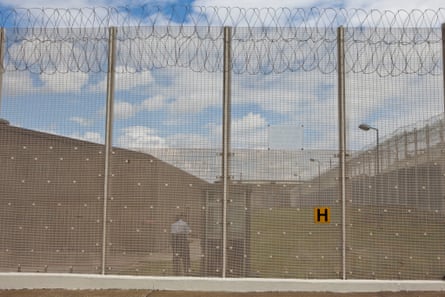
x: 223, y: 142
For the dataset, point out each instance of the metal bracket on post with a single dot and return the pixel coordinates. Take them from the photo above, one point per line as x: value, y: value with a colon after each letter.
x: 227, y: 77
x: 112, y: 31
x: 342, y: 136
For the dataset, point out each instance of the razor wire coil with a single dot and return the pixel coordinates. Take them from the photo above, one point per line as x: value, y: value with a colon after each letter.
x: 263, y: 40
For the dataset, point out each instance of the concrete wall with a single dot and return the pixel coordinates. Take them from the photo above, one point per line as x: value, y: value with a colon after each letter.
x: 52, y: 190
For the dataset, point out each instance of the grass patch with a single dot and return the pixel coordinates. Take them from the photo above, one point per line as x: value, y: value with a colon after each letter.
x: 385, y: 243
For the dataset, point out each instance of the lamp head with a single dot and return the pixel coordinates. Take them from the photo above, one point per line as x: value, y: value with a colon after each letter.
x: 364, y: 127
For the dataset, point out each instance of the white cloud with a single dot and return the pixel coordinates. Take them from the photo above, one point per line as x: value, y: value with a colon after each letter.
x: 249, y: 131
x: 394, y: 5
x: 71, y: 82
x: 81, y: 121
x: 270, y: 13
x: 57, y: 3
x: 89, y: 136
x: 126, y: 78
x: 193, y: 91
x: 390, y: 104
x: 140, y: 137
x: 124, y: 110
x: 45, y: 51
x: 366, y: 4
x: 248, y: 123
x: 280, y: 93
x: 258, y: 3
x: 181, y: 91
x: 16, y: 83
x: 262, y: 9
x: 143, y: 138
x: 154, y: 103
x: 53, y: 59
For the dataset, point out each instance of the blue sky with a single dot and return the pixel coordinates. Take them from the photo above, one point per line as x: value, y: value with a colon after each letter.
x: 177, y: 107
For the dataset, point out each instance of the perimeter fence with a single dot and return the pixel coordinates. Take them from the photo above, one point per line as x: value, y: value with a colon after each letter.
x: 295, y: 143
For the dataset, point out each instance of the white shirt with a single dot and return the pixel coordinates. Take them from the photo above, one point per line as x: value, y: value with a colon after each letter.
x: 180, y: 227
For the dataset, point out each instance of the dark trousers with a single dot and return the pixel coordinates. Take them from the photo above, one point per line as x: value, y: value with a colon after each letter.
x: 181, y: 253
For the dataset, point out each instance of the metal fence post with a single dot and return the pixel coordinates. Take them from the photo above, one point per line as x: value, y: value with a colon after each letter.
x: 443, y: 62
x: 108, y: 133
x: 342, y: 136
x: 226, y: 137
x: 2, y: 67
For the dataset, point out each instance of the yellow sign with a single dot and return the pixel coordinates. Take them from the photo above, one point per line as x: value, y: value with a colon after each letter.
x: 322, y: 215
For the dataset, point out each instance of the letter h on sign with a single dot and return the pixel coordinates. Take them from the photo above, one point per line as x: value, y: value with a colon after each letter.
x: 322, y: 215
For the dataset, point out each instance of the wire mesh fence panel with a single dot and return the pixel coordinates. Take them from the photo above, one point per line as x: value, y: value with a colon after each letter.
x: 52, y: 167
x: 395, y: 202
x: 136, y: 153
x: 167, y: 127
x: 283, y: 127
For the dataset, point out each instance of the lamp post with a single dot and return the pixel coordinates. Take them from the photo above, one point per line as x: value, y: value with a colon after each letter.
x: 298, y: 177
x: 366, y: 127
x: 319, y: 176
x: 299, y: 197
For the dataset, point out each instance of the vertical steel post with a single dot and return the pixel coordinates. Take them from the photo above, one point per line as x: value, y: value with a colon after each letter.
x: 442, y: 123
x: 405, y: 144
x: 377, y: 148
x: 342, y: 137
x: 227, y: 77
x: 2, y: 66
x: 427, y: 140
x: 443, y: 63
x: 416, y: 166
x: 112, y: 31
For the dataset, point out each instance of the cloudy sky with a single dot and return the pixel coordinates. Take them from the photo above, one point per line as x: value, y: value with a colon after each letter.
x: 168, y: 92
x: 378, y: 4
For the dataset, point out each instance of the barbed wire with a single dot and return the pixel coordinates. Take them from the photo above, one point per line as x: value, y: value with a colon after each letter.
x: 264, y: 40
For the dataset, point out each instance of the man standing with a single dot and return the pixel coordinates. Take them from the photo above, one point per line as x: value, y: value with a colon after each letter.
x: 180, y: 245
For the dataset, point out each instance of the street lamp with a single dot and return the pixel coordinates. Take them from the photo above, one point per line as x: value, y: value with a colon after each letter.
x: 366, y: 127
x: 319, y: 176
x: 299, y: 184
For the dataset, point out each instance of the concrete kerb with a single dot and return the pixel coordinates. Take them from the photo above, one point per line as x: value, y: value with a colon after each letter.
x: 98, y: 282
